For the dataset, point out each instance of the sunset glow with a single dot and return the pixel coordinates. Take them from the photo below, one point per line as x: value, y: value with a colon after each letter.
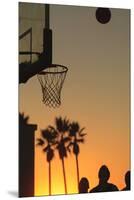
x: 96, y: 93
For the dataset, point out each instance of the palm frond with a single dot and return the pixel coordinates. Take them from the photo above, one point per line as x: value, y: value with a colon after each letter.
x: 40, y: 142
x: 68, y: 149
x: 80, y: 140
x: 46, y: 148
x: 45, y: 134
x: 59, y: 124
x: 82, y: 129
x: 49, y: 134
x: 66, y: 139
x: 82, y: 134
x: 69, y: 146
x: 74, y: 128
x: 62, y: 125
x: 65, y: 125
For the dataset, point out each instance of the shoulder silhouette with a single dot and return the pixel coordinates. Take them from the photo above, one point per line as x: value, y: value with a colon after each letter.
x: 83, y: 185
x: 104, y: 185
x: 127, y: 181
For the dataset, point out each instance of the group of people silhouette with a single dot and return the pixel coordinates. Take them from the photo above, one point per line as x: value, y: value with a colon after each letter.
x: 103, y: 185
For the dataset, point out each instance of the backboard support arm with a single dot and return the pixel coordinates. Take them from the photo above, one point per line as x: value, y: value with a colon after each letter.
x: 28, y: 70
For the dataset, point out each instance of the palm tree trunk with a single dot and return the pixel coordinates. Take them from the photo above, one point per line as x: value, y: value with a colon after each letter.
x: 49, y: 178
x: 77, y: 167
x: 64, y: 175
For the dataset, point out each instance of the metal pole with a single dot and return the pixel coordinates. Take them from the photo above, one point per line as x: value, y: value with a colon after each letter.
x: 47, y: 16
x: 31, y: 46
x: 47, y: 36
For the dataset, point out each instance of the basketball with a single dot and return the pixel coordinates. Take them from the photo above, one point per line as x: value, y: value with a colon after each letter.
x: 103, y: 15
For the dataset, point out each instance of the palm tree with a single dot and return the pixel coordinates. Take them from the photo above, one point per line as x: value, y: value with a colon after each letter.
x: 77, y: 135
x: 47, y: 141
x: 62, y: 128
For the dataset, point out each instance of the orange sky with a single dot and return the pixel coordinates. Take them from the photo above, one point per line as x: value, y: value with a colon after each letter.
x: 95, y: 93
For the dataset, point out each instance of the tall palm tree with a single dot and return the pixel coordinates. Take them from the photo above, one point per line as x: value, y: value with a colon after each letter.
x: 77, y: 135
x: 47, y: 141
x: 62, y: 128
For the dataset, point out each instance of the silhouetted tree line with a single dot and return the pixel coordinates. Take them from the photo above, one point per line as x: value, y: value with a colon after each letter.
x: 65, y: 137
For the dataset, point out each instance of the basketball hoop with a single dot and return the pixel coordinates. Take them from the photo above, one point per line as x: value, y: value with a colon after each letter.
x: 51, y: 80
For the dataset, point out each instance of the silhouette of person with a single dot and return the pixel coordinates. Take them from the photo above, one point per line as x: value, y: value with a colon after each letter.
x: 83, y: 185
x: 104, y: 186
x: 127, y: 181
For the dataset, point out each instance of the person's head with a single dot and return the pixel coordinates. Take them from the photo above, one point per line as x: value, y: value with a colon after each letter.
x: 127, y: 179
x: 83, y: 185
x: 104, y: 174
